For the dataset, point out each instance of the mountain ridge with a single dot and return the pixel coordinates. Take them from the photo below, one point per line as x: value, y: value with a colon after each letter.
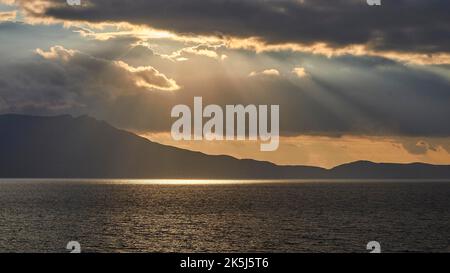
x: 84, y: 147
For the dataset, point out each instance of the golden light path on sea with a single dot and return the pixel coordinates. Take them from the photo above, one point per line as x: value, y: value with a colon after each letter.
x: 191, y: 181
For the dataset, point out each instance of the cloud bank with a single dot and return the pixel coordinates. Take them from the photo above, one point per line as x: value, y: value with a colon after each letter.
x: 401, y: 25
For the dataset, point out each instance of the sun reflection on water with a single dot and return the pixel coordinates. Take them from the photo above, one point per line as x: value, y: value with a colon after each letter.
x: 189, y: 181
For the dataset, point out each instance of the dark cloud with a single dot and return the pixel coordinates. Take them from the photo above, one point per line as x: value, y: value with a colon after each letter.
x: 403, y: 25
x: 61, y: 80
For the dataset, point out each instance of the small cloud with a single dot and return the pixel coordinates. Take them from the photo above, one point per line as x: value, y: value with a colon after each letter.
x: 201, y: 52
x: 267, y: 72
x: 56, y: 52
x: 418, y: 147
x: 198, y: 50
x: 8, y: 15
x: 300, y: 72
x: 142, y: 77
x: 148, y: 77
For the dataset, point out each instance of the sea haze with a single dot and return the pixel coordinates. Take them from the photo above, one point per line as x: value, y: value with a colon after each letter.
x: 223, y: 216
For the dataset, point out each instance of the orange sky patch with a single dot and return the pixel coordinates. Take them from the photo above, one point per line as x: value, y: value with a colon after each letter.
x: 320, y: 151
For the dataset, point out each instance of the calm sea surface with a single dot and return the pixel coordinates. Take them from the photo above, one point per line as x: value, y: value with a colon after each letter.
x: 223, y: 216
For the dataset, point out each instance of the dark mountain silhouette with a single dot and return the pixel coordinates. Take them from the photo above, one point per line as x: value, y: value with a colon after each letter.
x: 68, y: 147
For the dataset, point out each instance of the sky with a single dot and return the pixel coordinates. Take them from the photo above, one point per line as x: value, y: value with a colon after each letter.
x: 353, y: 81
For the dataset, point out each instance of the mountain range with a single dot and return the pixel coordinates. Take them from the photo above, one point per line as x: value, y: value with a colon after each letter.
x: 83, y: 147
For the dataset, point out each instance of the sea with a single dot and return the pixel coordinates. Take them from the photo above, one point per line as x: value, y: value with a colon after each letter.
x: 190, y: 216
